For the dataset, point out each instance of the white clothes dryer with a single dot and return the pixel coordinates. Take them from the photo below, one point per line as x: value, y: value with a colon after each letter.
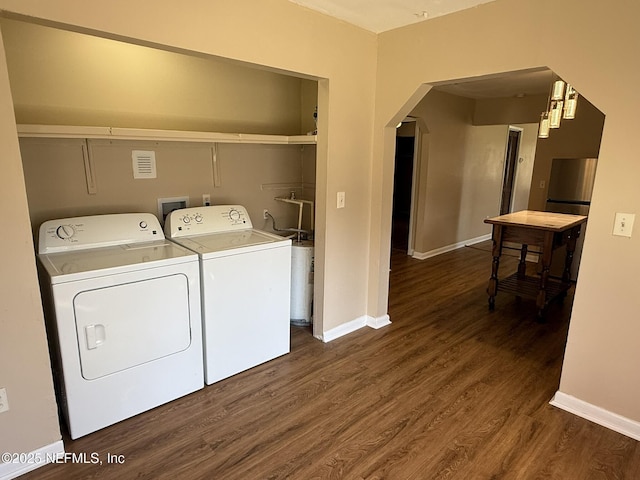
x: 246, y: 282
x: 123, y: 317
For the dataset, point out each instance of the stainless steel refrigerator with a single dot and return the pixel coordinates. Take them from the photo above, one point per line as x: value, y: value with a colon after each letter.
x: 570, y: 188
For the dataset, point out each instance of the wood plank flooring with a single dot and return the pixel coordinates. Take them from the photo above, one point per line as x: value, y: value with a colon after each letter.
x: 449, y: 390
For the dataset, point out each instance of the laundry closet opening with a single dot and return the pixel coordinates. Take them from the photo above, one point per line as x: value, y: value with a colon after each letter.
x: 218, y: 131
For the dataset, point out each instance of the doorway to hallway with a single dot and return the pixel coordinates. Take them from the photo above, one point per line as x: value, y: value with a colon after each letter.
x: 510, y: 165
x: 402, y: 191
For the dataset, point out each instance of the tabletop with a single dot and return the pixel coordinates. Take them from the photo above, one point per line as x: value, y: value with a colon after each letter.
x: 556, y: 222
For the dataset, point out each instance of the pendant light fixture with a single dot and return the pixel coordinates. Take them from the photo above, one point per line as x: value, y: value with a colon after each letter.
x: 570, y: 103
x: 543, y: 132
x: 557, y: 94
x: 555, y: 115
x: 558, y: 90
x: 561, y: 104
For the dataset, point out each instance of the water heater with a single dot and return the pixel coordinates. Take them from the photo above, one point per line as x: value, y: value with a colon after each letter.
x: 301, y: 283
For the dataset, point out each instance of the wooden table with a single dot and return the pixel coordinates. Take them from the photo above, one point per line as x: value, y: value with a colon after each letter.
x: 545, y: 230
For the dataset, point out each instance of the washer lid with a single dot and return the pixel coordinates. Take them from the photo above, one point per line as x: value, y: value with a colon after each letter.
x: 80, y: 264
x: 227, y: 241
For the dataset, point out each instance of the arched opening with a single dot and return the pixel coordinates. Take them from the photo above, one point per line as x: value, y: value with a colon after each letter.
x: 461, y: 184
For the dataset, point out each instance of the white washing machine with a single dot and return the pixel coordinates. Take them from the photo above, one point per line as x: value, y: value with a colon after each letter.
x: 123, y: 317
x: 246, y: 280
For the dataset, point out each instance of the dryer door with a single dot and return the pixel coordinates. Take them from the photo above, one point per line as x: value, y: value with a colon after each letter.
x: 121, y: 326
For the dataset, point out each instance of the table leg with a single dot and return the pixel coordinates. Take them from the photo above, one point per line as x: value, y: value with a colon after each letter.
x: 547, y: 252
x: 492, y: 289
x: 571, y: 248
x: 522, y: 266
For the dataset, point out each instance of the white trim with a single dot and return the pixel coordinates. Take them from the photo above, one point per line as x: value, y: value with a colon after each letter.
x: 520, y: 131
x: 610, y: 420
x: 415, y: 174
x: 480, y: 239
x: 352, y: 326
x: 39, y: 458
x: 119, y: 133
x: 378, y: 322
x: 449, y: 248
x: 344, y: 329
x: 514, y: 188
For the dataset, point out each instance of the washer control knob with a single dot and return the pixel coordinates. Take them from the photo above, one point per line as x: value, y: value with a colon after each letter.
x: 186, y: 219
x: 65, y: 231
x: 198, y: 218
x: 234, y: 214
x: 143, y: 224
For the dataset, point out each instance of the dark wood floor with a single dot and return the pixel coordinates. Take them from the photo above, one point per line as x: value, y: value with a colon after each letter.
x: 448, y: 390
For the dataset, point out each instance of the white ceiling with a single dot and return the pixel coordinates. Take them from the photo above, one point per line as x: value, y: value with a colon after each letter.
x: 382, y: 15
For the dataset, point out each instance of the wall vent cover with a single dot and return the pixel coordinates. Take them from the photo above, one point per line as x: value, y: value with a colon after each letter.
x: 144, y: 164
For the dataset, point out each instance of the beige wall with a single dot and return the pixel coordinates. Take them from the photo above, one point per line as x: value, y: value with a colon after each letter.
x: 60, y: 77
x: 249, y: 175
x: 275, y: 34
x: 483, y: 176
x: 32, y: 421
x: 66, y: 78
x: 596, y: 45
x: 462, y: 166
x: 461, y: 173
x: 495, y: 111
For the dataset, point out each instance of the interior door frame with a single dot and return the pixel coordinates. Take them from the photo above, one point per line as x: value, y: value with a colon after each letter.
x: 415, y: 178
x: 514, y: 171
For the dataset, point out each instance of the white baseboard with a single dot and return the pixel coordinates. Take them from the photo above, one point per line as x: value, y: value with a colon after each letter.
x: 32, y: 460
x: 449, y: 248
x: 353, y: 325
x: 378, y: 322
x: 344, y: 329
x: 598, y: 415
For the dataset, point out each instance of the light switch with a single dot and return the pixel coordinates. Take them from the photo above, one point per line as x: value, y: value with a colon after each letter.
x: 341, y: 199
x: 623, y: 224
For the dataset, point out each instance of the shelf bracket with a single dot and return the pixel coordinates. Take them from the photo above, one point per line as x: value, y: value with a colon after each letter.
x: 214, y: 165
x: 89, y: 168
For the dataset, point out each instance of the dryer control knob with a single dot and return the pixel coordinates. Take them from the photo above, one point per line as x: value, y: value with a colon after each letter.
x: 143, y: 224
x: 198, y: 218
x: 65, y: 231
x: 186, y: 219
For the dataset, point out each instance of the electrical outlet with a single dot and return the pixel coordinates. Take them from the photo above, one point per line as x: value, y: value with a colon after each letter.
x: 623, y: 224
x: 4, y: 401
x: 340, y: 200
x: 265, y: 213
x: 206, y: 199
